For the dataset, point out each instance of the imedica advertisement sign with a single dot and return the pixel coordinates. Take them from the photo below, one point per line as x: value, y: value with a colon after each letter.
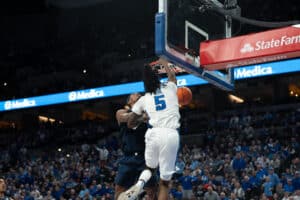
x: 266, y: 69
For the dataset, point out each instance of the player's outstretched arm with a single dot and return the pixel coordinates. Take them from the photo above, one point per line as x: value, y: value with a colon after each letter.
x: 170, y: 72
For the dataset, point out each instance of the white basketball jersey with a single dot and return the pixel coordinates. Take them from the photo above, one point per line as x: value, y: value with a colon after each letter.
x: 162, y: 107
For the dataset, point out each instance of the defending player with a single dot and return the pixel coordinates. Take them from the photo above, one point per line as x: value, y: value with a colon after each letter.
x: 133, y: 146
x: 162, y: 139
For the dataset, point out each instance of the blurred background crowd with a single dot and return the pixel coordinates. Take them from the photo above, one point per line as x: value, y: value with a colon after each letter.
x: 239, y: 156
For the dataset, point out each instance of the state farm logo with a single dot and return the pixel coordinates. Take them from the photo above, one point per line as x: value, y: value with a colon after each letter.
x: 271, y: 43
x: 247, y: 48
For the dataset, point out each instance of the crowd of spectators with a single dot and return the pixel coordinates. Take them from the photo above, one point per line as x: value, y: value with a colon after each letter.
x: 239, y: 170
x: 244, y: 155
x: 246, y: 123
x: 227, y: 165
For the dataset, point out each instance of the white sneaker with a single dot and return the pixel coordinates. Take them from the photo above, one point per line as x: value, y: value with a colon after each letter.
x: 131, y: 194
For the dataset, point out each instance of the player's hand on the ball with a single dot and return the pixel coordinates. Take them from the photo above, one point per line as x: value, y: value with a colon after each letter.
x: 163, y: 62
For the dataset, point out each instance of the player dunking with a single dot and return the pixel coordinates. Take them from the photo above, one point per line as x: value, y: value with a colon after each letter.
x: 133, y: 146
x: 162, y: 139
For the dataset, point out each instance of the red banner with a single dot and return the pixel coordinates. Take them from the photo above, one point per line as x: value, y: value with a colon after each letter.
x: 268, y: 46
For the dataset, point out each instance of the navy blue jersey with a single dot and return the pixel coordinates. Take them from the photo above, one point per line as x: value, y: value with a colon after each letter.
x: 132, y: 140
x: 132, y: 163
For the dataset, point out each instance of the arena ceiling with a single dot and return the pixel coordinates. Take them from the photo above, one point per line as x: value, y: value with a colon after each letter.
x: 39, y: 32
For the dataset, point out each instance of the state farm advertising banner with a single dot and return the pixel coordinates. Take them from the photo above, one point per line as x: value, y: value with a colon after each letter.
x: 268, y: 46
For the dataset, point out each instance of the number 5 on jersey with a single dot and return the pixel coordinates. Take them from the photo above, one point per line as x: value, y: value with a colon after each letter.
x: 160, y: 103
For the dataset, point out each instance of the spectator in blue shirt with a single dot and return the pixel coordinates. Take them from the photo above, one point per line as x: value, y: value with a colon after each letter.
x: 296, y: 181
x: 260, y: 173
x: 83, y: 191
x: 86, y: 177
x: 93, y: 188
x: 245, y: 148
x: 186, y: 182
x: 194, y: 164
x: 253, y: 179
x: 101, y: 190
x: 176, y: 192
x: 180, y: 166
x: 268, y: 188
x: 288, y: 173
x: 58, y: 192
x: 205, y: 177
x: 247, y: 186
x: 22, y: 176
x: 273, y: 177
x: 238, y: 163
x: 288, y: 187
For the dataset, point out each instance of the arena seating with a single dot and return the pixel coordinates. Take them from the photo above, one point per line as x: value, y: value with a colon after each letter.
x: 55, y: 161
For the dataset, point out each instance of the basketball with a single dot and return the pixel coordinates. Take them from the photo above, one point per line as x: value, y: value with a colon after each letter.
x: 184, y: 96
